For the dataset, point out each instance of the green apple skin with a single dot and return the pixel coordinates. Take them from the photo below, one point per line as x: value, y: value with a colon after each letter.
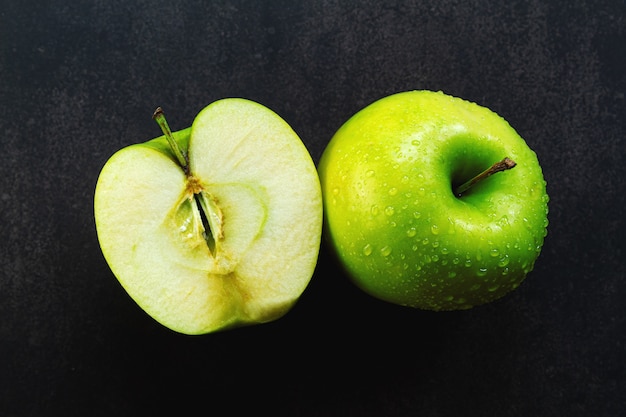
x: 262, y: 187
x: 396, y: 225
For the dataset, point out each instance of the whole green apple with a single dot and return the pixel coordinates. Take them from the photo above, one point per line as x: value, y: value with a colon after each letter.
x: 412, y: 211
x: 214, y: 226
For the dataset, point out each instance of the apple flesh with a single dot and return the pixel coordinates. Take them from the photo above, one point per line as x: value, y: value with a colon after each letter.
x: 232, y: 238
x: 392, y: 215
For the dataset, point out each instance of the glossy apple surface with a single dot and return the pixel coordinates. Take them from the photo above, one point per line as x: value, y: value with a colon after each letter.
x: 232, y: 239
x: 394, y: 220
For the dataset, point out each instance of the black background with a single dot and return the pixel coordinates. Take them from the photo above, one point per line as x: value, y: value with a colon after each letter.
x: 79, y: 80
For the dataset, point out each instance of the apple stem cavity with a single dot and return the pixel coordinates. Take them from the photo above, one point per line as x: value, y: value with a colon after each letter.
x: 159, y: 117
x: 505, y: 164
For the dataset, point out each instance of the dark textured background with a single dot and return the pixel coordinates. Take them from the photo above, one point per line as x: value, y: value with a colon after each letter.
x: 79, y: 80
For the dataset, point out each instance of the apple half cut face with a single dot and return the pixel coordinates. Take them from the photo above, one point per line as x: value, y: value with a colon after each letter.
x: 231, y: 239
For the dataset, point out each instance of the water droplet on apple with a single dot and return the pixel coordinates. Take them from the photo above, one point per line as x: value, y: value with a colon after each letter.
x: 335, y: 191
x: 435, y: 258
x: 451, y: 274
x: 411, y: 232
x: 374, y: 210
x: 414, y: 248
x: 505, y: 271
x: 415, y: 142
x: 425, y: 241
x: 475, y: 287
x: 493, y: 287
x: 417, y: 214
x: 504, y: 261
x: 434, y: 229
x: 385, y: 251
x: 367, y: 250
x: 369, y: 173
x: 494, y: 252
x: 448, y: 298
x: 504, y: 221
x: 393, y: 191
x: 481, y: 272
x: 389, y: 210
x: 435, y: 244
x: 444, y: 250
x: 468, y: 263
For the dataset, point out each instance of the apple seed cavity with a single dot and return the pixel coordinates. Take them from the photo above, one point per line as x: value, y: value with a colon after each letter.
x: 204, y: 204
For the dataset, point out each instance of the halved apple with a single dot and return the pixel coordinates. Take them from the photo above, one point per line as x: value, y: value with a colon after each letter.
x: 214, y: 226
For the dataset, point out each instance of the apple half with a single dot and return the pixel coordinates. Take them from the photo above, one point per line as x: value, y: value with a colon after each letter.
x: 214, y: 226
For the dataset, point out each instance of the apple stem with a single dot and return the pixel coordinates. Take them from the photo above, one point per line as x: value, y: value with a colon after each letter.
x: 159, y: 117
x: 499, y: 166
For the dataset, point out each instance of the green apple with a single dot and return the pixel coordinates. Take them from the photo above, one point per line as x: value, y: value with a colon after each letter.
x: 412, y: 211
x: 214, y: 226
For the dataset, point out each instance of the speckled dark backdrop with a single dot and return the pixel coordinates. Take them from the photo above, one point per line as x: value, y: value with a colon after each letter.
x: 79, y: 80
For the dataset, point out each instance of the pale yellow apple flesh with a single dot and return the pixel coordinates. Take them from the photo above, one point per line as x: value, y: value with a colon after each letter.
x: 263, y: 193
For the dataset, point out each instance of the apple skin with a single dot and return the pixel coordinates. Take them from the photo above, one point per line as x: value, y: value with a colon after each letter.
x: 394, y: 222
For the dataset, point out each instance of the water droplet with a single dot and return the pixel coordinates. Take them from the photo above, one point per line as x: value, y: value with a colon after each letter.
x: 374, y: 210
x: 451, y: 274
x: 444, y: 250
x: 494, y: 252
x: 385, y: 251
x: 369, y: 173
x: 448, y: 298
x: 411, y: 232
x: 415, y: 142
x: 393, y: 191
x: 417, y: 214
x: 475, y: 287
x: 505, y: 271
x: 335, y: 191
x: 435, y: 258
x: 468, y: 263
x: 389, y: 210
x: 367, y: 250
x: 435, y: 244
x: 504, y: 221
x: 493, y: 287
x: 481, y: 272
x: 425, y: 241
x: 434, y: 229
x: 503, y: 261
x: 456, y: 261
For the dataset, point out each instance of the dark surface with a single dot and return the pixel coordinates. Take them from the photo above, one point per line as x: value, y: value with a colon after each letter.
x: 79, y: 81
